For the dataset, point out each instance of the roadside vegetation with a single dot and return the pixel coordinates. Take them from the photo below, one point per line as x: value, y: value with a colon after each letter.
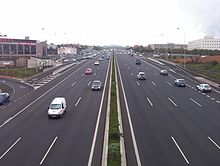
x: 18, y: 72
x: 209, y: 69
x: 114, y: 155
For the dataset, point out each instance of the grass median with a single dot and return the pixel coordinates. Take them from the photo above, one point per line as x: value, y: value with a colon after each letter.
x: 114, y: 155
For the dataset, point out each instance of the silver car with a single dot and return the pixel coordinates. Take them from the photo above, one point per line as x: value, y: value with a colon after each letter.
x: 96, y: 85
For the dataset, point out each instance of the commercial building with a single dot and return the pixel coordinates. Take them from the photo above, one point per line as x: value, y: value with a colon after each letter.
x: 16, y: 52
x: 208, y: 42
x: 168, y: 46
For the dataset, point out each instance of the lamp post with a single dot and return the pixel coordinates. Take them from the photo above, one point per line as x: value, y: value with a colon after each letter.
x: 184, y: 41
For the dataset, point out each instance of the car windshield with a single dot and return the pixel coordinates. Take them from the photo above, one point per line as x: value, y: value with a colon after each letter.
x: 206, y: 86
x: 181, y: 81
x: 96, y: 83
x: 55, y: 106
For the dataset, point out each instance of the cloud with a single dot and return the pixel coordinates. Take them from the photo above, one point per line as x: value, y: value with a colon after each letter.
x: 204, y: 13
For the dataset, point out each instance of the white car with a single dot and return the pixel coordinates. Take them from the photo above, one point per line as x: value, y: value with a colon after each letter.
x: 204, y: 87
x: 164, y: 72
x: 57, y: 108
x: 96, y: 63
x: 141, y: 76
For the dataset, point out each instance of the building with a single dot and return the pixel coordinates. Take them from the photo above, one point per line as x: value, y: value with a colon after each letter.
x: 16, y: 52
x: 167, y: 46
x: 208, y: 42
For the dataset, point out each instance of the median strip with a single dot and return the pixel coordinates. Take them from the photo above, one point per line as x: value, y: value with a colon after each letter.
x: 114, y: 154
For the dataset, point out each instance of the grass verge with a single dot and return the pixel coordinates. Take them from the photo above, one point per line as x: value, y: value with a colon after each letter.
x: 114, y: 155
x: 18, y: 72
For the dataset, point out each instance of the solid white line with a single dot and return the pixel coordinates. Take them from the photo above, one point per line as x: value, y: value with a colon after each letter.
x: 89, y: 83
x: 195, y: 102
x: 73, y: 84
x: 48, y: 150
x: 169, y: 83
x: 77, y: 101
x: 122, y: 143
x: 44, y: 94
x: 132, y: 74
x: 214, y: 143
x: 180, y: 150
x: 172, y: 101
x: 106, y: 133
x: 153, y: 83
x: 97, y: 121
x: 130, y: 122
x: 138, y: 83
x: 10, y: 148
x: 149, y: 101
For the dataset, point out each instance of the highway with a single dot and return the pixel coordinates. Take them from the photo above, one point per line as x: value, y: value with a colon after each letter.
x: 168, y: 125
x: 28, y: 137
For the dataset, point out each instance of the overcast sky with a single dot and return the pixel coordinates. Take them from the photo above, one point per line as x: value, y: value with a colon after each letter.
x: 106, y: 22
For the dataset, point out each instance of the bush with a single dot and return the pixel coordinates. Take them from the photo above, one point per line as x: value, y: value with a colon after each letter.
x: 214, y: 63
x: 114, y: 151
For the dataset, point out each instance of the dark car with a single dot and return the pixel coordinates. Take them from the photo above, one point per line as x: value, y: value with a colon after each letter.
x: 180, y: 82
x: 138, y: 62
x: 4, y: 97
x: 96, y: 85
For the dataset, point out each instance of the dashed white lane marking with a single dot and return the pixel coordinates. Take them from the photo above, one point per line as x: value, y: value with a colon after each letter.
x: 138, y: 83
x: 73, y: 84
x: 94, y: 74
x: 149, y: 101
x: 195, y: 102
x: 217, y: 101
x: 169, y: 83
x: 89, y: 83
x: 132, y: 74
x: 214, y: 142
x: 172, y: 101
x: 77, y: 102
x: 212, y: 98
x: 180, y: 150
x: 153, y: 83
x: 10, y: 148
x: 48, y: 150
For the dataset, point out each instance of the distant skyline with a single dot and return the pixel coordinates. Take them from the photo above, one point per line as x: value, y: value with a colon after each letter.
x: 110, y: 22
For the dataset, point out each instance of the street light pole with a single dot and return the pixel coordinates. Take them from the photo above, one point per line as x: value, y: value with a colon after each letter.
x: 184, y: 53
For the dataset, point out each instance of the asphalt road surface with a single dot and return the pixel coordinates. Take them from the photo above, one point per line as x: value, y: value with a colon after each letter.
x: 28, y: 137
x: 169, y: 125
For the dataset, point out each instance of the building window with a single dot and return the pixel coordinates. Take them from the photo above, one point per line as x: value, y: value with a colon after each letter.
x: 13, y: 49
x: 1, y: 51
x: 6, y: 49
x: 27, y: 49
x: 33, y: 49
x: 20, y: 49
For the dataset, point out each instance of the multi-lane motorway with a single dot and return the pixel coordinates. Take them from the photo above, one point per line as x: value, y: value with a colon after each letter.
x: 163, y: 125
x: 168, y: 125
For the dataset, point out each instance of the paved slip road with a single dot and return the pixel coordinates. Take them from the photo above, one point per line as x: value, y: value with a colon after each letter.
x: 28, y: 137
x: 172, y: 125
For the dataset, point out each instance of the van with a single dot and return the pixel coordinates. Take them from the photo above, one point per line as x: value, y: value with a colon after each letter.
x: 57, y: 108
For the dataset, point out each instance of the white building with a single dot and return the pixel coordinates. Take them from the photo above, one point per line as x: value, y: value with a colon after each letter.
x: 208, y: 43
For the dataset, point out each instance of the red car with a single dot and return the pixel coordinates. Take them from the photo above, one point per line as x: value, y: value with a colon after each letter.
x: 88, y: 71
